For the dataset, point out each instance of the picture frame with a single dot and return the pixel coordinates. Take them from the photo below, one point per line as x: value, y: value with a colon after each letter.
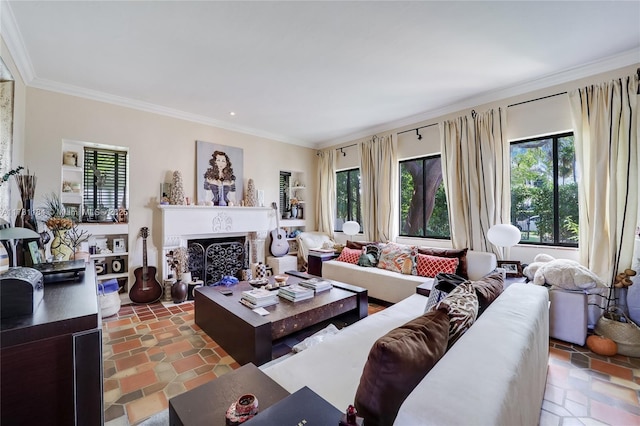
x: 209, y: 186
x: 513, y: 268
x: 36, y: 254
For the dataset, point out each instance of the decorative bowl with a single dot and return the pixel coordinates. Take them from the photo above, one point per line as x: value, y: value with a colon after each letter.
x: 259, y: 282
x: 281, y: 279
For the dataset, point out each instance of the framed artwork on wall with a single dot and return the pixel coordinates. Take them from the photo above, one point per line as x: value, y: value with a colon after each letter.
x: 512, y: 267
x: 219, y: 171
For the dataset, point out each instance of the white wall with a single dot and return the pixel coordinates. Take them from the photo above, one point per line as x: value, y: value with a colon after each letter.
x: 545, y: 116
x: 158, y: 145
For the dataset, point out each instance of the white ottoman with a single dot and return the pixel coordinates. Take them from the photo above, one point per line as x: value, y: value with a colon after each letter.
x: 282, y: 264
x: 568, y: 316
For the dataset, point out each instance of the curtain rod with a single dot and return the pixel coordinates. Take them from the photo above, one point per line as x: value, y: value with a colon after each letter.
x: 417, y: 128
x: 536, y: 99
x: 348, y: 146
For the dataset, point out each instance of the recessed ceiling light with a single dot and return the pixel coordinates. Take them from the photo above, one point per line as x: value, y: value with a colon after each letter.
x: 232, y: 113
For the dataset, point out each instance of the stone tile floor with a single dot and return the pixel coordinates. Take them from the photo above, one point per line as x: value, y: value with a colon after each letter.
x: 154, y: 352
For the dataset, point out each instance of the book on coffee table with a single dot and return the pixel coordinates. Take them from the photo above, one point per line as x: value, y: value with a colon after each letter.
x: 302, y: 407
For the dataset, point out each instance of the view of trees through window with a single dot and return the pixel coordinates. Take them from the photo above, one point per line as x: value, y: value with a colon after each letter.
x: 544, y: 190
x: 347, y: 197
x: 423, y: 203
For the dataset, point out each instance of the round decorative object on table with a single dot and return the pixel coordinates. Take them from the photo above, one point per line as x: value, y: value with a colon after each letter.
x: 259, y: 282
x: 242, y: 410
x: 179, y: 292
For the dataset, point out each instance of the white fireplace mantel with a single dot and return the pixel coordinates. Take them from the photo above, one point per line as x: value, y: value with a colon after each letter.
x: 180, y: 223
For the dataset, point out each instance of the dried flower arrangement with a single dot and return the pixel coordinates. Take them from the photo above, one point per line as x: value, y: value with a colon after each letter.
x: 178, y: 260
x: 54, y: 211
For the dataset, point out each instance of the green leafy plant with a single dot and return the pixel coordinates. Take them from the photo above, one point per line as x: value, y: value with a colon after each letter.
x: 10, y: 173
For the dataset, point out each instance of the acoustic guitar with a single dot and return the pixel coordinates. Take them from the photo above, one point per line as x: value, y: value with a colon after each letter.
x: 279, y: 243
x: 146, y: 288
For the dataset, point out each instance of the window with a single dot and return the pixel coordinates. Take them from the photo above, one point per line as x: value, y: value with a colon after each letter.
x: 544, y: 190
x: 105, y: 183
x: 285, y: 178
x: 423, y: 203
x: 347, y: 197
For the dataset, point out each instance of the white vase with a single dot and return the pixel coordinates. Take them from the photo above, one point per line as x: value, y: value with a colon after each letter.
x: 186, y: 277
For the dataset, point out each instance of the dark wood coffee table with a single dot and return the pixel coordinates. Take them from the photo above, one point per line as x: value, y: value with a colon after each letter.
x: 248, y: 336
x: 208, y: 403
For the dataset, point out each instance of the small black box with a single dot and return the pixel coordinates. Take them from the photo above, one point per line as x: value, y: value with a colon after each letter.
x: 21, y: 291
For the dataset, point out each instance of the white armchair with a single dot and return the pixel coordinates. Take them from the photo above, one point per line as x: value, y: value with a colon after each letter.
x: 310, y: 240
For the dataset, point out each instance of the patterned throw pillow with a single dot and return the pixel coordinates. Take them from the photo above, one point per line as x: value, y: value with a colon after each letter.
x: 349, y: 255
x: 430, y: 266
x: 462, y: 307
x: 370, y: 256
x: 398, y: 258
x: 461, y: 254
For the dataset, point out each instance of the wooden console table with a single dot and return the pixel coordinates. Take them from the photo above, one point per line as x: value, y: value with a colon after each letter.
x: 51, y: 361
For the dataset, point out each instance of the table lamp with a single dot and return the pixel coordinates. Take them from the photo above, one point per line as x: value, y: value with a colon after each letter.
x: 13, y: 235
x: 504, y: 235
x: 351, y: 228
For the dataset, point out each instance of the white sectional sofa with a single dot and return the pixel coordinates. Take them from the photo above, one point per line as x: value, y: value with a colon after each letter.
x: 495, y: 374
x: 393, y: 286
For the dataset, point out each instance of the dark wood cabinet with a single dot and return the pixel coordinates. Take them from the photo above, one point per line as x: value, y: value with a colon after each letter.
x: 51, y: 361
x: 315, y: 261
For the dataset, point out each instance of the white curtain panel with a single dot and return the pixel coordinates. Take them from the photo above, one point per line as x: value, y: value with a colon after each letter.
x: 325, y: 207
x: 476, y: 174
x: 605, y: 122
x: 379, y: 187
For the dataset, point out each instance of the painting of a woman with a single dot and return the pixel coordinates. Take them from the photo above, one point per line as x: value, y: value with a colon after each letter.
x: 219, y: 171
x: 220, y: 180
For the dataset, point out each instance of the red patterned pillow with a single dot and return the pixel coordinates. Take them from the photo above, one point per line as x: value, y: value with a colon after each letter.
x: 430, y: 266
x: 349, y: 255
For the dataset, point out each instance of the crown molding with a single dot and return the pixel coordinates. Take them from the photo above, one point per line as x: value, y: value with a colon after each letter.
x: 95, y: 95
x: 13, y: 39
x: 610, y: 63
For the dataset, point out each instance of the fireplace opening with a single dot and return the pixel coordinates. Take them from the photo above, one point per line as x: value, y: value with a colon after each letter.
x: 210, y: 259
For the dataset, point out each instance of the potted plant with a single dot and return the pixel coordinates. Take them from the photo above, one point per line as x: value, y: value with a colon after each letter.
x: 58, y: 224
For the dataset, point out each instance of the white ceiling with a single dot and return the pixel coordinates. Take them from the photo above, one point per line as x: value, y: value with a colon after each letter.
x: 313, y: 73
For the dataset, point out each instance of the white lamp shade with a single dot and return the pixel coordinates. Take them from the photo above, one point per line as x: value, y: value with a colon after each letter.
x: 351, y: 227
x: 504, y: 235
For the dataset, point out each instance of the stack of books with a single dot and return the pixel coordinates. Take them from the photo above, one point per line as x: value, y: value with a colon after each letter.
x: 295, y: 292
x: 316, y: 284
x: 322, y: 251
x: 258, y: 298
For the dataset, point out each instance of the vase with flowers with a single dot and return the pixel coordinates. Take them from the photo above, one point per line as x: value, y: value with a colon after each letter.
x: 58, y: 224
x: 178, y: 260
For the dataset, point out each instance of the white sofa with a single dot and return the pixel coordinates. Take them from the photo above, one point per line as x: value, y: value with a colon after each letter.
x: 494, y: 375
x: 393, y: 286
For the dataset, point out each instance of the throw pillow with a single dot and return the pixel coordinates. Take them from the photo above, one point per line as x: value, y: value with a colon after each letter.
x: 488, y: 289
x: 430, y: 266
x: 398, y: 258
x: 462, y: 307
x: 359, y: 244
x: 349, y: 255
x: 397, y: 362
x: 461, y: 254
x: 370, y: 256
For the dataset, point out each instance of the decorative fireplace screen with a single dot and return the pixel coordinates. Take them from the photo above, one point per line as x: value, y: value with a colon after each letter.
x: 210, y: 261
